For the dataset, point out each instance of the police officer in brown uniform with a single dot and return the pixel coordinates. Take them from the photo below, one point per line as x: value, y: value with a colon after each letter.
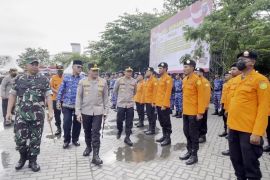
x: 91, y: 106
x: 125, y: 89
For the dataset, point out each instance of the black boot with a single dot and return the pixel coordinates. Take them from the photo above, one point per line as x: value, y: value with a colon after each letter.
x: 179, y: 115
x: 118, y: 134
x: 215, y: 113
x: 176, y: 114
x: 162, y: 138
x: 21, y: 162
x: 202, y: 139
x: 185, y: 156
x: 266, y: 148
x: 226, y: 152
x: 33, y: 164
x: 58, y: 131
x: 128, y: 141
x: 150, y: 132
x: 96, y: 159
x: 87, y: 151
x: 223, y: 134
x: 192, y: 160
x: 167, y: 140
x: 140, y: 124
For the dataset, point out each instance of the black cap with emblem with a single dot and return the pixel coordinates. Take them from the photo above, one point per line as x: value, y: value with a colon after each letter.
x: 248, y: 54
x: 163, y: 65
x: 190, y: 63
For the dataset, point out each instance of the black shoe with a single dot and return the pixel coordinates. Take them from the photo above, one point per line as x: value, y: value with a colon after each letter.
x: 113, y: 107
x: 179, y: 115
x: 185, y: 156
x: 215, y: 113
x: 76, y: 143
x: 87, y: 151
x: 96, y: 159
x: 227, y: 136
x: 166, y: 142
x: 65, y: 145
x: 223, y: 134
x: 145, y: 131
x: 176, y: 114
x: 118, y: 135
x: 139, y: 125
x: 192, y: 160
x: 128, y: 141
x: 202, y: 139
x: 266, y: 148
x: 21, y: 162
x: 34, y: 166
x: 225, y: 153
x: 160, y: 140
x: 58, y: 132
x: 150, y: 133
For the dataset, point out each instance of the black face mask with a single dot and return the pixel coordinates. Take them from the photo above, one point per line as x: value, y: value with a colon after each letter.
x: 241, y: 65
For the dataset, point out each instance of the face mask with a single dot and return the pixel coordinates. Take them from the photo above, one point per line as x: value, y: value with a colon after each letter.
x: 241, y: 65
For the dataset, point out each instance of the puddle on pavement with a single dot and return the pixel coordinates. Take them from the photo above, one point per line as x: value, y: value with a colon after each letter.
x: 144, y: 149
x: 50, y: 136
x: 4, y: 160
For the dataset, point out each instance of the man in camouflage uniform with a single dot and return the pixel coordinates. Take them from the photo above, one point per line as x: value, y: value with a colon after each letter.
x: 29, y: 91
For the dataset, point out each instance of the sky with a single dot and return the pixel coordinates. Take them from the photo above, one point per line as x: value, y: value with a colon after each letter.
x: 54, y: 24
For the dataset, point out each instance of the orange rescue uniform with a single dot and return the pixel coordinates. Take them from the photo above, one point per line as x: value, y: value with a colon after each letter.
x: 139, y: 96
x: 225, y: 90
x: 149, y: 90
x: 55, y: 83
x: 207, y: 91
x: 164, y: 90
x: 193, y: 95
x: 249, y: 105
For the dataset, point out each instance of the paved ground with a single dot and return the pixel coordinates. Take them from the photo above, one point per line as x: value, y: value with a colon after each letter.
x: 146, y: 160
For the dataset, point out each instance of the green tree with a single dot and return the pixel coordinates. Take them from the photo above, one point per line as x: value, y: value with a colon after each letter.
x: 173, y: 6
x: 125, y: 42
x: 236, y: 26
x: 39, y: 53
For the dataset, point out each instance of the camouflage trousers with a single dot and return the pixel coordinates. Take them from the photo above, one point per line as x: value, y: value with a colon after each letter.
x: 28, y: 130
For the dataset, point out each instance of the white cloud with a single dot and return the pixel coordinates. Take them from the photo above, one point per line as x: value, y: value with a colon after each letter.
x: 53, y: 24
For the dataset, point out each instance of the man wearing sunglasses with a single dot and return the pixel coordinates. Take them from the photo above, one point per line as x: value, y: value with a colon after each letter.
x: 67, y: 94
x: 29, y: 92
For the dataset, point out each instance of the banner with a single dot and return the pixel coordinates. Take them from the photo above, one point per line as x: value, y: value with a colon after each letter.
x: 168, y: 43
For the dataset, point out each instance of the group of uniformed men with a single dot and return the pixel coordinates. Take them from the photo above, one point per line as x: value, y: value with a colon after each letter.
x: 245, y: 102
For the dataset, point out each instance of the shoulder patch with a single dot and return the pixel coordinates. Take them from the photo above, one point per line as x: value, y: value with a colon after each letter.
x: 199, y: 82
x: 168, y: 81
x: 263, y: 85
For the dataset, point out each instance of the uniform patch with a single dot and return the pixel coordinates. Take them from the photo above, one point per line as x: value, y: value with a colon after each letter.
x: 207, y: 85
x: 263, y: 85
x: 168, y: 81
x: 199, y: 82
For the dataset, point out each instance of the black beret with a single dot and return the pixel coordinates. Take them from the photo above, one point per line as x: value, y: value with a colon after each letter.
x: 77, y: 62
x: 163, y: 65
x: 200, y: 70
x: 190, y: 62
x: 150, y: 69
x: 248, y: 54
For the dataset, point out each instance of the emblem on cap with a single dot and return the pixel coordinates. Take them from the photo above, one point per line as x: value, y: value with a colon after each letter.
x: 162, y: 64
x: 246, y: 53
x: 188, y: 61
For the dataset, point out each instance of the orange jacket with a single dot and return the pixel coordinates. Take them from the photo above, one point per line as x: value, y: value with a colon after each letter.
x: 249, y: 106
x: 225, y: 90
x: 193, y: 95
x: 207, y: 91
x: 164, y: 91
x: 55, y: 84
x: 149, y: 90
x: 139, y: 96
x: 231, y: 86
